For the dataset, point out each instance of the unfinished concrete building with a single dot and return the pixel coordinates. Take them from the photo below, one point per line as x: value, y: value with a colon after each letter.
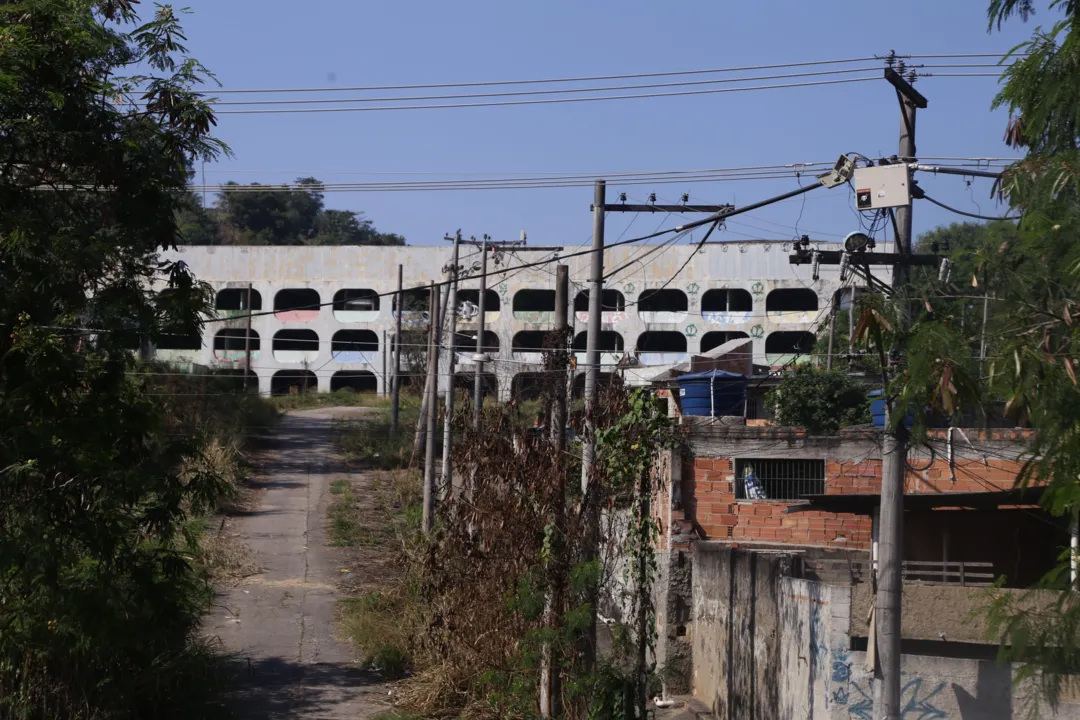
x: 324, y: 316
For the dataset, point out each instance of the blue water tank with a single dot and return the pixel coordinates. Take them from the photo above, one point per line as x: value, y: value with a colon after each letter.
x: 713, y: 393
x: 877, y: 409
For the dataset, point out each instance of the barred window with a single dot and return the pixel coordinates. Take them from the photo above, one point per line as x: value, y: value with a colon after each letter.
x: 769, y: 479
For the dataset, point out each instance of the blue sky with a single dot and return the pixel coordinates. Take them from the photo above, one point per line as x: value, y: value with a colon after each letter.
x: 341, y: 43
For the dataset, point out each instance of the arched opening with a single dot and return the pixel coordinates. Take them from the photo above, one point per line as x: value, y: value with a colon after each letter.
x: 791, y: 300
x: 295, y: 346
x: 661, y: 347
x: 608, y: 342
x: 785, y: 343
x: 237, y: 299
x: 723, y: 300
x: 354, y: 346
x: 465, y: 342
x: 715, y: 339
x: 416, y: 300
x: 536, y: 306
x: 356, y: 305
x: 360, y: 381
x: 528, y: 341
x: 666, y: 305
x: 578, y: 390
x: 469, y: 300
x: 610, y: 301
x: 229, y: 345
x: 293, y: 382
x: 296, y: 305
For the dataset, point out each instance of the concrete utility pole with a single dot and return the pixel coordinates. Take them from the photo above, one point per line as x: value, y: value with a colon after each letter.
x: 592, y: 369
x: 550, y: 679
x: 432, y: 412
x: 451, y: 310
x: 894, y: 448
x: 247, y: 339
x: 478, y: 381
x: 395, y: 390
x: 435, y: 321
x: 832, y: 328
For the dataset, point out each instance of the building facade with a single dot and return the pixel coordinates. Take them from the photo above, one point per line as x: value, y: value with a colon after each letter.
x: 324, y: 316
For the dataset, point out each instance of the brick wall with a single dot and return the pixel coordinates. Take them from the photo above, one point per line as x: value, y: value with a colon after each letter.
x: 710, y: 506
x: 710, y: 502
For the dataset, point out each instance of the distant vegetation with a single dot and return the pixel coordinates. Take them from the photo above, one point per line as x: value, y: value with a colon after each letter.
x: 249, y: 215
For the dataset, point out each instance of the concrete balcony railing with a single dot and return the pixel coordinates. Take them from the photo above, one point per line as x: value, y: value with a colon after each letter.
x: 662, y: 317
x: 356, y: 316
x: 370, y: 357
x: 295, y: 357
x: 792, y: 317
x: 612, y: 317
x: 727, y: 317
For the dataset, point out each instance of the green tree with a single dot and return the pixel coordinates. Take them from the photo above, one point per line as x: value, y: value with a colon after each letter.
x: 822, y: 401
x: 99, y: 123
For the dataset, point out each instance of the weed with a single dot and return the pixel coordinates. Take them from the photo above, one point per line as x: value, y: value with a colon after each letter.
x: 344, y: 397
x: 346, y: 528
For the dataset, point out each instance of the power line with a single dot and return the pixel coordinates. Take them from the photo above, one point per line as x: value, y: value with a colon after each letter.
x: 559, y: 91
x: 550, y: 101
x: 586, y: 78
x: 967, y: 214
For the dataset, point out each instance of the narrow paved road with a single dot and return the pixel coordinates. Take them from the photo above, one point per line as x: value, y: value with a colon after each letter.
x: 278, y: 624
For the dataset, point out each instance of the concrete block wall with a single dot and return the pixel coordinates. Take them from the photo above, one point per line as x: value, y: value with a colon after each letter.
x: 758, y: 268
x: 770, y: 645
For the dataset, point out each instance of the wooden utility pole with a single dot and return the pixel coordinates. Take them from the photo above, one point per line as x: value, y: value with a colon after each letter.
x: 550, y: 679
x: 592, y: 368
x: 395, y: 389
x: 478, y: 381
x: 436, y: 320
x: 451, y: 311
x: 894, y: 447
x: 432, y: 412
x: 247, y: 339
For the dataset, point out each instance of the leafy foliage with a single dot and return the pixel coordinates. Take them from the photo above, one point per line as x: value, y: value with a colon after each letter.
x: 246, y: 215
x: 822, y: 401
x: 99, y: 120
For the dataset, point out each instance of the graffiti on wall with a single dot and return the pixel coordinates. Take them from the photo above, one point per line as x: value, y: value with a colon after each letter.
x: 916, y: 702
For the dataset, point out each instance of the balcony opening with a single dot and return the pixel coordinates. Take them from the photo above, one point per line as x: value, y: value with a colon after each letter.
x: 179, y: 341
x: 472, y: 297
x: 534, y: 301
x: 610, y: 301
x: 416, y: 300
x: 661, y: 341
x: 360, y: 381
x: 712, y: 340
x: 791, y: 299
x: 727, y: 300
x: 232, y: 340
x: 465, y: 342
x: 294, y: 340
x: 237, y: 299
x: 354, y: 341
x: 528, y: 341
x: 293, y: 382
x: 609, y: 342
x: 294, y: 299
x: 602, y: 379
x: 526, y: 386
x: 789, y: 480
x: 668, y: 300
x: 356, y: 304
x: 786, y: 343
x: 464, y: 383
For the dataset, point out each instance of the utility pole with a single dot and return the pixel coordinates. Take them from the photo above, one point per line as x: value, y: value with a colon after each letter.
x: 592, y: 367
x: 832, y: 328
x: 478, y: 381
x: 432, y: 412
x: 894, y: 446
x: 247, y: 334
x: 448, y: 438
x: 435, y: 321
x: 395, y: 389
x: 550, y: 679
